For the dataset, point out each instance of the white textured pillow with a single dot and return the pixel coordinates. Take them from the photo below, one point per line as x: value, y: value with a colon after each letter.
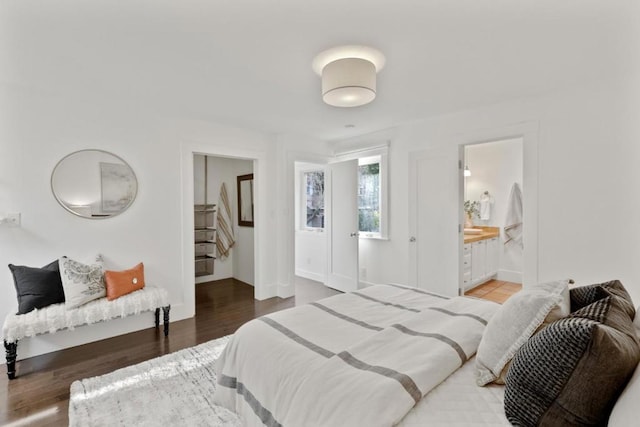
x: 625, y: 411
x: 82, y: 282
x: 515, y: 322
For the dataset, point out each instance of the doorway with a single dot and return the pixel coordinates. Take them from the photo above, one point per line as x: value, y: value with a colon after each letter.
x: 258, y: 159
x: 223, y: 234
x: 492, y: 249
x: 436, y: 208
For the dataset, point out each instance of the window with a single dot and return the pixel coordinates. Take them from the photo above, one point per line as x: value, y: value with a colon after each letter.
x: 369, y: 196
x: 313, y: 182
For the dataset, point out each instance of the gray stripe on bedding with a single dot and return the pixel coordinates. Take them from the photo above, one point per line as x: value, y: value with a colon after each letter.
x: 297, y: 338
x: 261, y: 412
x: 451, y: 313
x: 420, y: 291
x: 407, y: 383
x: 439, y: 337
x: 345, y: 317
x: 390, y: 304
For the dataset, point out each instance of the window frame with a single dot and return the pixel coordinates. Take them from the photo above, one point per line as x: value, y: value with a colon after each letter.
x: 303, y: 198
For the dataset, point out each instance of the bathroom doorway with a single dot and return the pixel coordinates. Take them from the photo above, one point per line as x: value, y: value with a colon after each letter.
x: 493, y: 246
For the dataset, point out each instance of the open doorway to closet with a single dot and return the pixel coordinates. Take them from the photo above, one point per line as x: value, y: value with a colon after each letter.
x: 492, y: 250
x: 223, y: 224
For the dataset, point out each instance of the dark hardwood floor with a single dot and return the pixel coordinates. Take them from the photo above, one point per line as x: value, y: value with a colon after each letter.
x: 40, y: 394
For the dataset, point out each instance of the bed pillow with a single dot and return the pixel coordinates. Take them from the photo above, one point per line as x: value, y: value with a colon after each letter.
x: 512, y: 325
x: 572, y: 371
x: 625, y: 411
x: 37, y: 287
x: 121, y: 283
x: 585, y: 295
x: 82, y: 282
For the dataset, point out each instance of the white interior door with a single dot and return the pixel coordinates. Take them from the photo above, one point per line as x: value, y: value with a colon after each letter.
x: 435, y: 215
x: 342, y: 225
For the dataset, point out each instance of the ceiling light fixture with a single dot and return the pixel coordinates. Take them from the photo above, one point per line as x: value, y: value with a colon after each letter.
x: 348, y: 74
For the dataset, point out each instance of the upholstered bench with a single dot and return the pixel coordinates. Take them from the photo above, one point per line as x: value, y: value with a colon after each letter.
x: 57, y: 317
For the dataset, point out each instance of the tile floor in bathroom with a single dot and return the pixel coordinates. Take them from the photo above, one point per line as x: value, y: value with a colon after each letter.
x: 495, y: 290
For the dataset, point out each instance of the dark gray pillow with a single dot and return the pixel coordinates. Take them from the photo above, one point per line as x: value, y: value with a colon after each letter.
x: 584, y: 295
x: 37, y: 287
x: 572, y: 371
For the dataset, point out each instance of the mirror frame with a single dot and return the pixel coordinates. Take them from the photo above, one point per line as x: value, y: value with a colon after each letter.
x: 98, y: 217
x: 241, y: 179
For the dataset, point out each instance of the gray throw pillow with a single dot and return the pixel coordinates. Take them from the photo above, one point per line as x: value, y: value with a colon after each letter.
x: 572, y: 371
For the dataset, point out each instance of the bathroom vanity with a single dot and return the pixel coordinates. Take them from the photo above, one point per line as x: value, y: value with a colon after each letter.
x: 480, y: 256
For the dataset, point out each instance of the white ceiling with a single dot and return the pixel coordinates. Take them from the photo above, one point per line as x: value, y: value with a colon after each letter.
x: 248, y: 62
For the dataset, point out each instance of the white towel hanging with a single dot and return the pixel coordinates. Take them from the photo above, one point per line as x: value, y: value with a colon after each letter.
x: 513, y: 222
x: 485, y: 206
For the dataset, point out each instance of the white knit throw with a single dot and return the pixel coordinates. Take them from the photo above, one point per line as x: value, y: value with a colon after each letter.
x: 57, y: 317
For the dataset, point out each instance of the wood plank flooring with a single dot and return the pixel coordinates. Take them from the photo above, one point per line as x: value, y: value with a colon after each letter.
x: 40, y: 394
x: 495, y: 290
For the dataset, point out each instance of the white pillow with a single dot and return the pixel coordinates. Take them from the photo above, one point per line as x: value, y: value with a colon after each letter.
x: 82, y: 282
x: 515, y: 322
x: 625, y: 411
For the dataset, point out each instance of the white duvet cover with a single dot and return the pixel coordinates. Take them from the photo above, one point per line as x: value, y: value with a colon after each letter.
x: 459, y: 402
x: 362, y: 358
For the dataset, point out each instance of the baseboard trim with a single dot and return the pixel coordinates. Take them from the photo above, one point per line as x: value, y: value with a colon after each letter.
x: 310, y: 275
x: 286, y: 290
x: 510, y: 276
x: 364, y: 284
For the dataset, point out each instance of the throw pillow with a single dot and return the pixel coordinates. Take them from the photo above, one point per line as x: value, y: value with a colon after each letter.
x: 572, y: 371
x: 37, y: 287
x: 81, y: 282
x: 585, y: 295
x: 625, y: 411
x: 512, y: 325
x: 121, y: 283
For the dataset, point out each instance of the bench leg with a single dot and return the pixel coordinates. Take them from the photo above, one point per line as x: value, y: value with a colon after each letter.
x: 165, y: 312
x: 12, y: 353
x: 157, y: 318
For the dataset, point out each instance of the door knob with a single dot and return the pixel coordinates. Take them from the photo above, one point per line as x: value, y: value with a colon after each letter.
x: 354, y: 234
x: 412, y: 239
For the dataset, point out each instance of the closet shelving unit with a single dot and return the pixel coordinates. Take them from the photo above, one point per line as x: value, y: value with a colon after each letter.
x: 204, y: 233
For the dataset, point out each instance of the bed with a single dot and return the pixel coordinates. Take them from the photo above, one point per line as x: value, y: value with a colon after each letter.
x: 385, y: 355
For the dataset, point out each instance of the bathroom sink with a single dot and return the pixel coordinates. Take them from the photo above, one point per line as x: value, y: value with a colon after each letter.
x: 473, y: 231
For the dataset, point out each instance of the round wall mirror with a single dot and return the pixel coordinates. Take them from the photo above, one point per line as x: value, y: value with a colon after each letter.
x: 94, y: 184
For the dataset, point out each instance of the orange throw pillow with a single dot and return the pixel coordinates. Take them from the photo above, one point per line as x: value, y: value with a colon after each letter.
x: 119, y: 283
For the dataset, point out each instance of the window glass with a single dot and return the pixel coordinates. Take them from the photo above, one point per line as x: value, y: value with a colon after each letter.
x: 369, y: 196
x: 314, y: 195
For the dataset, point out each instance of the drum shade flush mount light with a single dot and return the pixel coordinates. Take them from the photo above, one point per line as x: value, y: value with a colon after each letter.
x: 348, y: 74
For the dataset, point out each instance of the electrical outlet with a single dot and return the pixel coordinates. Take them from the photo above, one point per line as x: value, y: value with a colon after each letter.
x: 13, y: 219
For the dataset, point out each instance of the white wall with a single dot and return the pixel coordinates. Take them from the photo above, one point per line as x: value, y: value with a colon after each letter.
x: 588, y: 154
x: 240, y: 263
x: 495, y: 167
x: 41, y: 128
